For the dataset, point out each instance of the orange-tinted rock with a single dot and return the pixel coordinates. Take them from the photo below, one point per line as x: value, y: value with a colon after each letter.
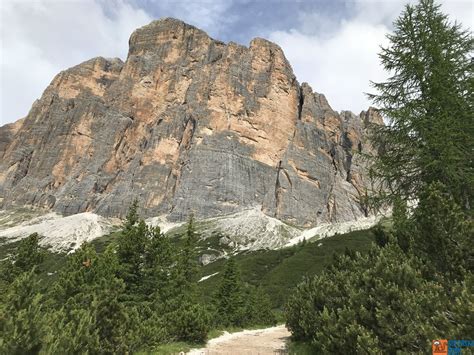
x: 186, y: 124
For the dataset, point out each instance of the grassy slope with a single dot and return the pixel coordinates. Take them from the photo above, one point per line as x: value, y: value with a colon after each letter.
x: 277, y: 271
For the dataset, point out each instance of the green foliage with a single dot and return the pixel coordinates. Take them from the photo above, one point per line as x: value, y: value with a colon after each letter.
x: 402, y: 225
x: 169, y: 349
x: 241, y: 305
x: 21, y: 326
x: 413, y: 286
x: 258, y: 307
x: 80, y: 272
x: 230, y: 303
x: 428, y: 102
x: 459, y: 312
x: 132, y: 217
x: 27, y: 256
x: 187, y: 267
x: 93, y: 306
x: 114, y: 320
x: 137, y: 293
x: 158, y: 260
x: 381, y: 236
x: 278, y: 271
x: 90, y: 295
x: 191, y: 322
x: 379, y: 302
x: 394, y: 298
x: 300, y: 348
x: 145, y: 259
x: 444, y: 234
x: 130, y: 250
x: 71, y: 333
x: 161, y: 280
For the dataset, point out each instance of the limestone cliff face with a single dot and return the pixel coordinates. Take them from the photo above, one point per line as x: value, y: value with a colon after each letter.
x: 186, y: 124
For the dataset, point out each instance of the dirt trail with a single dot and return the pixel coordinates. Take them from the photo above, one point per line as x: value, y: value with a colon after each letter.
x: 269, y: 341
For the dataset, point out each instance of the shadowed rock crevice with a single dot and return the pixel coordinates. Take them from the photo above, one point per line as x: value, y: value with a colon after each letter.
x: 278, y: 189
x: 300, y: 103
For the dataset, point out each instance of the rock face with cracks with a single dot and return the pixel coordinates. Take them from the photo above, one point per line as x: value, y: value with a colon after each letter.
x: 187, y: 124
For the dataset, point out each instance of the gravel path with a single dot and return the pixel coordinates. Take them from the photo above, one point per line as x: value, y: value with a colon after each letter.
x: 269, y: 341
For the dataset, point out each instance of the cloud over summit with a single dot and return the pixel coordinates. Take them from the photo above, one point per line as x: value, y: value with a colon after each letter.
x: 332, y: 45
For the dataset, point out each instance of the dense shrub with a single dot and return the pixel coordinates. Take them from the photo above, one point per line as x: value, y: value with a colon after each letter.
x: 390, y: 299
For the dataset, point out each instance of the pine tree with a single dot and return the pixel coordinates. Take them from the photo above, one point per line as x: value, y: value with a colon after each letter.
x: 132, y: 242
x: 378, y: 303
x: 397, y: 297
x: 81, y: 274
x: 91, y: 298
x: 258, y: 307
x: 71, y: 333
x: 115, y: 321
x: 132, y: 217
x: 21, y: 317
x: 190, y: 321
x: 429, y: 104
x: 402, y: 225
x: 157, y: 265
x: 28, y: 255
x: 189, y: 256
x: 186, y: 270
x: 458, y: 312
x: 444, y: 236
x: 230, y: 301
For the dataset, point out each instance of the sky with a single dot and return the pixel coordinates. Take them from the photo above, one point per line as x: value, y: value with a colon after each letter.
x: 330, y: 44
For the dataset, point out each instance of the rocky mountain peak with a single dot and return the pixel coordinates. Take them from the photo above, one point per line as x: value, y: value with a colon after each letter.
x: 167, y: 37
x: 187, y: 124
x: 372, y: 116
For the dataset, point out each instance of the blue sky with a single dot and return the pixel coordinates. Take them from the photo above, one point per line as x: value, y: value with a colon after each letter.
x: 242, y: 20
x: 332, y: 45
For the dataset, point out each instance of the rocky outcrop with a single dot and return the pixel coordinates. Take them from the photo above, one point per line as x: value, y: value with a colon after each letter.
x: 187, y: 124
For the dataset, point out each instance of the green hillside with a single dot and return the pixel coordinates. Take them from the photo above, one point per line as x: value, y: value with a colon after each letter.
x: 278, y: 271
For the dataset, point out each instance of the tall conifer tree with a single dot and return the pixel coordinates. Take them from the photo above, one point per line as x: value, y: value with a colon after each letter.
x: 428, y: 101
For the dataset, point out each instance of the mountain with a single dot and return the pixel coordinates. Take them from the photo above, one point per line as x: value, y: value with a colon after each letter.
x: 187, y: 124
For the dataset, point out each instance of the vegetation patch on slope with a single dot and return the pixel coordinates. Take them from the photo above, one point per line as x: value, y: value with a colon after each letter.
x: 277, y: 271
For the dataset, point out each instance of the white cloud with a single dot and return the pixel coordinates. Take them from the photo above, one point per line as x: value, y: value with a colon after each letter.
x: 340, y: 58
x: 336, y: 56
x: 376, y: 11
x: 209, y: 15
x: 41, y: 38
x: 339, y: 66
